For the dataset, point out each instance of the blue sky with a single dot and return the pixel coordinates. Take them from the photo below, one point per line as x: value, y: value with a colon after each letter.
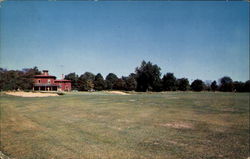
x: 205, y: 40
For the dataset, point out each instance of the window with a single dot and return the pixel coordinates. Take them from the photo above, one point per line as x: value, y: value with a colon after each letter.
x: 48, y: 81
x: 39, y: 81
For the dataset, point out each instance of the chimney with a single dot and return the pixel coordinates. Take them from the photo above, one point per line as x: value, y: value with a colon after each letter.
x: 45, y: 72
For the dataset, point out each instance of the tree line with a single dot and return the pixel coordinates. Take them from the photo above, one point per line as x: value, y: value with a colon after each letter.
x: 17, y: 79
x: 147, y: 77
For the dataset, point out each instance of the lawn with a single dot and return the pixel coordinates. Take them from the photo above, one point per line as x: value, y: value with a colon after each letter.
x: 171, y: 125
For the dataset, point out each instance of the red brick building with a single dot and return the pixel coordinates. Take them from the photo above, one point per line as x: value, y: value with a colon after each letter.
x: 46, y: 82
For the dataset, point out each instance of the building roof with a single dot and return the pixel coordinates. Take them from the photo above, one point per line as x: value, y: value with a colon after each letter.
x: 44, y: 76
x: 44, y: 84
x: 62, y: 80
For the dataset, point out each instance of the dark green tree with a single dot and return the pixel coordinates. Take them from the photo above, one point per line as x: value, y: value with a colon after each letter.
x: 130, y: 82
x: 111, y: 78
x: 99, y: 83
x: 119, y: 84
x: 2, y: 78
x: 74, y: 78
x: 26, y: 78
x: 197, y: 85
x: 207, y: 85
x: 247, y: 86
x: 169, y: 82
x: 148, y: 77
x: 238, y: 86
x: 183, y: 84
x: 86, y: 81
x: 11, y: 80
x: 214, y: 86
x: 226, y: 84
x: 17, y: 80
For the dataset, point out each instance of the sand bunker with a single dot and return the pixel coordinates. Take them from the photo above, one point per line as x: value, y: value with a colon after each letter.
x: 117, y: 92
x: 31, y: 94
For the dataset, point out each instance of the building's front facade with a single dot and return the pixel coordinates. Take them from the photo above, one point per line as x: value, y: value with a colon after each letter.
x: 46, y: 82
x: 63, y: 85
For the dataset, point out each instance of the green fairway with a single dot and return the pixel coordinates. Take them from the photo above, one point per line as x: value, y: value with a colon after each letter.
x: 171, y: 125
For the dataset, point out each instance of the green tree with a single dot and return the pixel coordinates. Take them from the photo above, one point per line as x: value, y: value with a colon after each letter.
x: 99, y: 83
x: 130, y: 82
x: 238, y: 86
x: 148, y: 77
x: 2, y: 78
x: 183, y: 84
x: 12, y: 80
x: 119, y: 84
x: 226, y: 84
x: 111, y: 78
x: 207, y: 85
x: 25, y: 80
x: 74, y: 78
x: 15, y: 79
x: 197, y: 85
x: 214, y: 86
x: 169, y: 82
x: 89, y: 85
x: 247, y: 86
x: 86, y: 81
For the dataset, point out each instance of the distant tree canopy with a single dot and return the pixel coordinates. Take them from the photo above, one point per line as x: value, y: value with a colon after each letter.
x: 197, y: 85
x: 214, y: 86
x: 238, y: 86
x: 15, y: 79
x: 74, y: 80
x: 147, y: 77
x: 169, y: 82
x: 130, y: 82
x: 247, y: 86
x: 207, y: 86
x: 86, y: 81
x: 182, y: 84
x: 99, y: 83
x: 111, y: 78
x: 226, y: 84
x: 119, y: 84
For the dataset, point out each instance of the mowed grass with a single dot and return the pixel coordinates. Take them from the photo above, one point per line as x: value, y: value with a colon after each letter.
x: 183, y: 125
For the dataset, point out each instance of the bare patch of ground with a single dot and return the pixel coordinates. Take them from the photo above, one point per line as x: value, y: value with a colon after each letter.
x: 31, y: 94
x: 177, y: 125
x: 117, y: 92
